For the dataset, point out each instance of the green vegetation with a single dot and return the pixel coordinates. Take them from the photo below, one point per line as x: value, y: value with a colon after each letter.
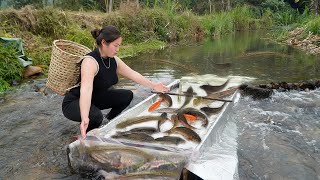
x: 313, y: 25
x: 10, y: 68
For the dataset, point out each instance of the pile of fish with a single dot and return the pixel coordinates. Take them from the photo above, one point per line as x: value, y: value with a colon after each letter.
x: 104, y: 159
x: 141, y: 148
x: 182, y: 118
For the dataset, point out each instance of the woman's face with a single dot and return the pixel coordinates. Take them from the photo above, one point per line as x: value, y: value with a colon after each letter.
x: 112, y: 48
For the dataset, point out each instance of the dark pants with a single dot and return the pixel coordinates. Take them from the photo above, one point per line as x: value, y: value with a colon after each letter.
x: 116, y: 99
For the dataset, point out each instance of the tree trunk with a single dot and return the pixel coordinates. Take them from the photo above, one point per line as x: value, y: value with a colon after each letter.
x: 222, y: 5
x: 210, y: 7
x: 316, y: 7
x: 110, y: 6
x: 229, y: 5
x: 106, y: 3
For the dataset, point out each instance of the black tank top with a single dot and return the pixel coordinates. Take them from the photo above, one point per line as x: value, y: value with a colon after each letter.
x: 104, y: 79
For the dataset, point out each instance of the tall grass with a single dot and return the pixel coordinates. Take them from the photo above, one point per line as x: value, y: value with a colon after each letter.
x: 10, y: 68
x: 313, y: 25
x: 239, y: 18
x: 243, y: 18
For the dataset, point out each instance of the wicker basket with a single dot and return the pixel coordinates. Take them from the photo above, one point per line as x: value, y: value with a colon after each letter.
x: 64, y: 66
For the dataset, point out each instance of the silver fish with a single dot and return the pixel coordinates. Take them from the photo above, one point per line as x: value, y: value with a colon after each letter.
x: 140, y: 119
x: 211, y: 89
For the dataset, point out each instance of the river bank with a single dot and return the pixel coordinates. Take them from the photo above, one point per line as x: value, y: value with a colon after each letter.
x: 143, y: 29
x: 310, y: 44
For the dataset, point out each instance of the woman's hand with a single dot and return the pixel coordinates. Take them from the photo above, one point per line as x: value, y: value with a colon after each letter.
x: 160, y: 87
x: 84, y: 126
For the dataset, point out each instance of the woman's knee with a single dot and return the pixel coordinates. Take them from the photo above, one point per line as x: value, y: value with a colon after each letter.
x: 130, y: 96
x: 125, y: 97
x: 96, y: 118
x: 71, y: 111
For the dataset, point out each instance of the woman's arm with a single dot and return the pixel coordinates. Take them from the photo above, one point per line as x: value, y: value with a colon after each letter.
x: 88, y: 70
x: 127, y: 72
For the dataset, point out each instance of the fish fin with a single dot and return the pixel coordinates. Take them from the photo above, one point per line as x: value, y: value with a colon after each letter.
x: 154, y: 105
x: 190, y: 118
x: 189, y: 96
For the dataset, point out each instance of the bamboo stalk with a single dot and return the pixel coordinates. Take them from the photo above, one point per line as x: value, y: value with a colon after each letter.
x: 195, y: 96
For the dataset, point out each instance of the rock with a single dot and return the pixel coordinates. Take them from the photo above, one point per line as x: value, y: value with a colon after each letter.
x: 31, y: 70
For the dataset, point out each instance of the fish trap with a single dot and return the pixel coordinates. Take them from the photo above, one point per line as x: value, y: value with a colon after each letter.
x: 64, y: 69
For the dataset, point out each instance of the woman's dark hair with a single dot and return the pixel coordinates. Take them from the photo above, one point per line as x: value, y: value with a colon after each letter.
x: 108, y: 33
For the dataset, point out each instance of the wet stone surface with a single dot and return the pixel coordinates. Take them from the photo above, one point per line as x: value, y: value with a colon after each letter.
x: 34, y: 134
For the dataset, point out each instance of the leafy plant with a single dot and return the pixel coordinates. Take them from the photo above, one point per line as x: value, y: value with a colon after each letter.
x: 10, y: 67
x: 314, y: 25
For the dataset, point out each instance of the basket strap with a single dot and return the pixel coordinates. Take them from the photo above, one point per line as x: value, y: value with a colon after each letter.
x: 117, y: 59
x: 77, y: 85
x: 81, y: 59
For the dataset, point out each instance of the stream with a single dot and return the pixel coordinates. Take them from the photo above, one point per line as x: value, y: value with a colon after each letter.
x: 277, y: 138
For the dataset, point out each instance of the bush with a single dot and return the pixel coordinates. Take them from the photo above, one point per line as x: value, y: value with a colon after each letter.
x: 10, y: 67
x: 313, y: 26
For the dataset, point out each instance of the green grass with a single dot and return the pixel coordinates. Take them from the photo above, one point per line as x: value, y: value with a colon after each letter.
x: 133, y: 50
x: 313, y: 25
x: 10, y: 68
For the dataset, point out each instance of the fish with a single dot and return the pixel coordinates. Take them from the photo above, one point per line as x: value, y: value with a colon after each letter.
x: 149, y: 175
x: 174, y: 120
x: 105, y: 157
x: 211, y: 89
x: 119, y: 148
x: 190, y: 118
x: 222, y: 94
x: 188, y: 96
x: 223, y: 65
x: 170, y: 140
x: 197, y: 113
x: 163, y: 98
x: 136, y: 136
x: 160, y: 164
x: 183, y: 120
x: 115, y: 161
x: 211, y: 111
x: 160, y: 122
x: 155, y: 105
x: 140, y: 119
x: 166, y: 98
x: 186, y: 133
x: 146, y: 130
x: 167, y: 110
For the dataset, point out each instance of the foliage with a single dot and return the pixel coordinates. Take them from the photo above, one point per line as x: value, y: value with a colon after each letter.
x: 4, y: 85
x: 10, y: 67
x: 130, y: 50
x: 21, y: 3
x: 240, y: 18
x: 51, y: 23
x: 267, y: 19
x: 313, y: 26
x: 80, y: 35
x: 76, y: 5
x: 274, y: 5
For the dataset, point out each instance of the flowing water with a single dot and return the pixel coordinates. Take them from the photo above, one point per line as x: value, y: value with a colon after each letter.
x: 276, y: 138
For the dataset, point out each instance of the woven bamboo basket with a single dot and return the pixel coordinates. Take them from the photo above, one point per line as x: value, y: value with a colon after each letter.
x: 64, y: 69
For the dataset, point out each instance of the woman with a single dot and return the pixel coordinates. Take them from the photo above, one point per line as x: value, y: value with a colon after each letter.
x: 99, y: 70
